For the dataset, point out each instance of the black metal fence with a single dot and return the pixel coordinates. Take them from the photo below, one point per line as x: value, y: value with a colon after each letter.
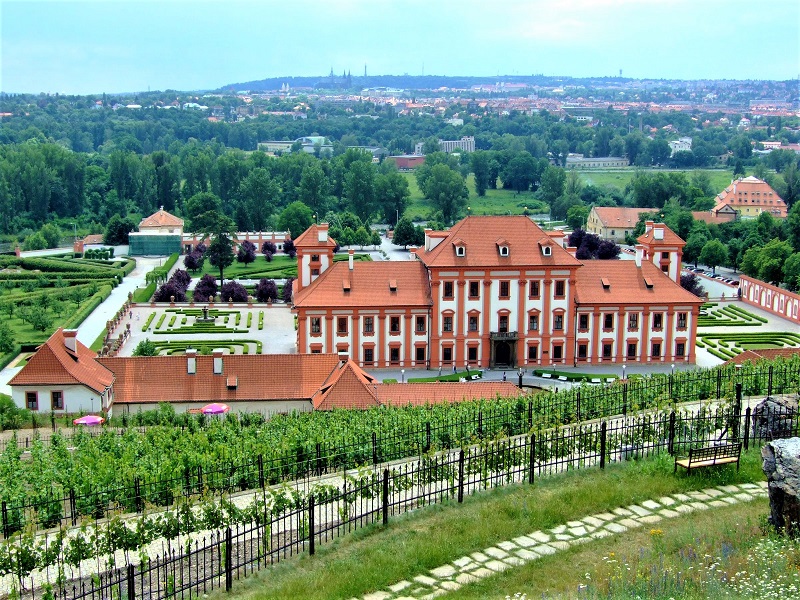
x: 479, y: 422
x: 375, y: 494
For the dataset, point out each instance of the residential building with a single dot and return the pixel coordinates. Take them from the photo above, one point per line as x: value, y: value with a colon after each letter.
x: 614, y: 222
x: 683, y: 144
x: 749, y: 197
x: 65, y: 377
x: 500, y: 292
x: 407, y: 162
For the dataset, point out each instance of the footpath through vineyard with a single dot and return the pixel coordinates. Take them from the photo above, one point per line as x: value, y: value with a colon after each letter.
x: 277, y: 521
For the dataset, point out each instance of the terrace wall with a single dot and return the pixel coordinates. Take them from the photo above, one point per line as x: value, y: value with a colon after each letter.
x: 779, y: 302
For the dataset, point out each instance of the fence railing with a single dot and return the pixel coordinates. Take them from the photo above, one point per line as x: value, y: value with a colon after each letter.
x: 59, y: 507
x: 196, y: 567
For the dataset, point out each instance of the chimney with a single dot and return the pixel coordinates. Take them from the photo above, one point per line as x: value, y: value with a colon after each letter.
x: 648, y: 225
x: 217, y: 362
x: 658, y: 232
x: 70, y: 339
x: 639, y: 255
x: 191, y: 361
x: 350, y: 258
x: 322, y: 233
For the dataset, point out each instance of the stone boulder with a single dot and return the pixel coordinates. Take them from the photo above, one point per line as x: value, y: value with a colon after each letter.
x: 781, y: 464
x: 772, y: 418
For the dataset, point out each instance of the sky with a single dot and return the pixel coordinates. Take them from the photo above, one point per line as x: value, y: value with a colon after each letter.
x: 95, y: 46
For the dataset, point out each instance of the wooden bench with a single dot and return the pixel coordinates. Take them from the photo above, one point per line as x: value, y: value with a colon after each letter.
x: 708, y: 457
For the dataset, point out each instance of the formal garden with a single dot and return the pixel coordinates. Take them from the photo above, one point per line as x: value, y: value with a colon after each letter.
x: 38, y: 295
x: 727, y: 344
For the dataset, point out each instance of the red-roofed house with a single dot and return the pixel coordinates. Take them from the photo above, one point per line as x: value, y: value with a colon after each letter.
x: 63, y: 377
x: 614, y: 222
x: 498, y: 291
x: 751, y: 196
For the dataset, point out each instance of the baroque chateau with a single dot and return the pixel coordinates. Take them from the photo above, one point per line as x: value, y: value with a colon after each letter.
x: 496, y: 291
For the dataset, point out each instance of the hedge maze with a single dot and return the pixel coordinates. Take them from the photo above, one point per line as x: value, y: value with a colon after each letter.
x: 185, y: 321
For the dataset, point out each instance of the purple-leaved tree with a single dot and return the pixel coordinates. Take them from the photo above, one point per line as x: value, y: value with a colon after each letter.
x: 205, y: 288
x: 247, y: 252
x: 266, y: 289
x: 233, y: 291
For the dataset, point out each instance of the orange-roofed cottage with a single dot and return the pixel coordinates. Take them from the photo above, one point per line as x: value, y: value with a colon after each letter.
x: 500, y: 292
x: 63, y: 376
x: 751, y: 196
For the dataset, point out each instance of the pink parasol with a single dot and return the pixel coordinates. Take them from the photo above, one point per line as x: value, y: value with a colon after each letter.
x: 89, y: 420
x: 216, y: 408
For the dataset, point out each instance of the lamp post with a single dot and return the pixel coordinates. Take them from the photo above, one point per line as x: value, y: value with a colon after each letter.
x: 468, y: 211
x: 673, y: 369
x: 402, y: 375
x: 520, y: 372
x: 74, y: 231
x: 623, y: 372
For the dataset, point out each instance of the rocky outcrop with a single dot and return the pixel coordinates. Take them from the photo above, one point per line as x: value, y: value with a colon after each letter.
x: 772, y: 418
x: 781, y: 464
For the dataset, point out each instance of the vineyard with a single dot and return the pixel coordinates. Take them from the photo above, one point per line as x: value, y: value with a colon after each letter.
x: 179, y: 456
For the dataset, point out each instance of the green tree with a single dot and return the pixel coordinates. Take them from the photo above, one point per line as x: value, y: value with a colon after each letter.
x: 259, y: 193
x: 552, y: 186
x: 295, y: 218
x: 714, y: 253
x: 659, y: 151
x: 391, y: 190
x: 145, y: 348
x: 221, y: 229
x: 359, y: 189
x: 117, y: 231
x: 446, y: 190
x: 314, y: 188
x: 521, y: 172
x: 577, y: 216
x: 51, y: 234
x: 6, y: 337
x: 199, y: 204
x: 791, y: 274
x: 480, y: 167
x: 404, y: 233
x: 792, y: 226
x: 35, y: 241
x: 694, y: 246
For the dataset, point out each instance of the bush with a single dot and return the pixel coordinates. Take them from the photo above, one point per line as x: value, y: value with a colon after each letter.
x: 232, y: 291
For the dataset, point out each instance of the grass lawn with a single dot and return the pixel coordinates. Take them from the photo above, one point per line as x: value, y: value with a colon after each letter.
x: 619, y: 178
x: 375, y: 557
x: 504, y: 202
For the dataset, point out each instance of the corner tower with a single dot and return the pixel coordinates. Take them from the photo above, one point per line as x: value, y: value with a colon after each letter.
x: 314, y: 254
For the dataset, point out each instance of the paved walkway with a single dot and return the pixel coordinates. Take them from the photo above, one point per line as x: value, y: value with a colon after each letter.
x: 531, y: 546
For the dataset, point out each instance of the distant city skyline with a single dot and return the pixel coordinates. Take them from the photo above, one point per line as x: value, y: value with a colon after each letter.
x: 113, y: 46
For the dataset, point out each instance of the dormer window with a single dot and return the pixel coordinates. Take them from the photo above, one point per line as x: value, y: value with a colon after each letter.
x: 461, y: 250
x: 503, y: 250
x: 547, y: 250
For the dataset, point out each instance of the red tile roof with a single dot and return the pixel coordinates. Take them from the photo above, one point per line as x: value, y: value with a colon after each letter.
x: 627, y: 284
x: 751, y: 191
x: 349, y: 386
x: 161, y: 218
x: 757, y: 354
x: 369, y: 286
x: 620, y: 216
x: 479, y: 235
x: 310, y: 237
x: 670, y: 237
x: 258, y: 377
x: 402, y: 394
x: 54, y: 364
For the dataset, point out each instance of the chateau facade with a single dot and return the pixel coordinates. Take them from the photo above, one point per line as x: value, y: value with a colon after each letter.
x: 496, y: 292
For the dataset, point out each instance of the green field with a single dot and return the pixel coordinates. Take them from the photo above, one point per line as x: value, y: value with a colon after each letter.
x: 505, y: 202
